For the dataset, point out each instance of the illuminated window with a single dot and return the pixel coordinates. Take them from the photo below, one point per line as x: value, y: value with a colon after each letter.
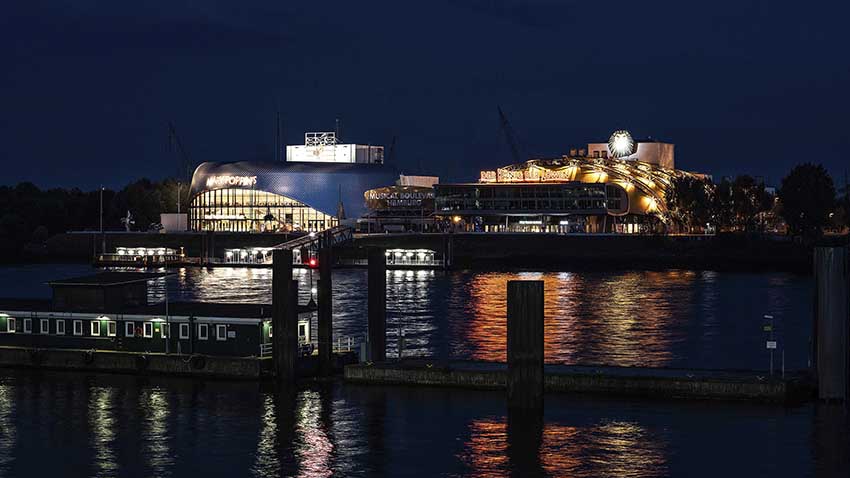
x: 95, y: 328
x: 112, y: 328
x: 129, y: 329
x: 60, y: 327
x: 184, y: 331
x: 147, y: 332
x: 11, y: 327
x: 221, y: 332
x: 27, y: 326
x: 78, y: 327
x: 270, y: 331
x: 203, y: 331
x: 163, y: 330
x: 44, y: 326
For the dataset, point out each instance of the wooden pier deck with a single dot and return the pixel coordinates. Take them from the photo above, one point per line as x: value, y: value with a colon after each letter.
x: 626, y: 381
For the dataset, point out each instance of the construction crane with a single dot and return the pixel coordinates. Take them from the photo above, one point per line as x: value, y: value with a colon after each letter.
x: 510, y: 136
x: 184, y: 171
x: 391, y: 151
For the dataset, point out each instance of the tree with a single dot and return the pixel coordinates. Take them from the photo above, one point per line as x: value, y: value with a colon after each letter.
x: 690, y: 201
x: 748, y: 200
x: 808, y: 197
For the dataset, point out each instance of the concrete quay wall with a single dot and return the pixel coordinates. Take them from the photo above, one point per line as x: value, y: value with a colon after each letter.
x: 607, y: 381
x: 132, y: 362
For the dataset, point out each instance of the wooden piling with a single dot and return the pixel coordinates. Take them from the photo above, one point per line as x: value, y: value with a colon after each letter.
x: 832, y: 319
x: 525, y: 345
x: 325, y: 312
x: 377, y: 305
x: 281, y: 296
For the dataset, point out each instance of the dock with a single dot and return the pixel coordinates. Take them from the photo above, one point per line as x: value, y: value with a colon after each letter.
x: 666, y: 383
x: 154, y: 363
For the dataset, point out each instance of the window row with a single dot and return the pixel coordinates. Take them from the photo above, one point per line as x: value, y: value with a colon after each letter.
x: 110, y: 327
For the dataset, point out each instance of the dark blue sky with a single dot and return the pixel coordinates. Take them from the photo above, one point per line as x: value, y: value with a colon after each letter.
x: 740, y: 86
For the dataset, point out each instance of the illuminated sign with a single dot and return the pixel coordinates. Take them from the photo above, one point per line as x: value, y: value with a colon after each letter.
x: 400, y: 197
x: 224, y: 216
x: 529, y: 175
x: 214, y: 182
x: 488, y: 177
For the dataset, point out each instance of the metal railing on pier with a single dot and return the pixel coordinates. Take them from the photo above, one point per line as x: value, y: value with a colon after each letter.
x: 341, y: 345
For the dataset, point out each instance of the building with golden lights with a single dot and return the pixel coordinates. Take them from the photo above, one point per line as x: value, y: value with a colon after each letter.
x: 614, y: 187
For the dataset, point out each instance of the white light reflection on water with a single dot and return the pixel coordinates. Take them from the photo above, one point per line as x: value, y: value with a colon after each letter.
x: 155, y: 446
x: 267, y: 461
x: 103, y: 424
x: 7, y: 428
x: 314, y: 446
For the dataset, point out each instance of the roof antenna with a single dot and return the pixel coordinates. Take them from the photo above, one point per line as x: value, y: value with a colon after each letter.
x: 277, y: 140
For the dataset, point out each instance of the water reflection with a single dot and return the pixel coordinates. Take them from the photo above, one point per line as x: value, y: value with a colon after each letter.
x: 157, y: 436
x: 7, y: 428
x: 622, y: 319
x: 519, y: 447
x: 266, y: 461
x: 103, y: 425
x: 314, y: 446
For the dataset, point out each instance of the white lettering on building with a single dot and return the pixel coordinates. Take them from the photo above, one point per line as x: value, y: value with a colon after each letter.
x: 214, y: 182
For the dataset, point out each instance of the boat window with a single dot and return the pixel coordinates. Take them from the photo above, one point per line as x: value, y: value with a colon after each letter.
x: 148, y: 330
x: 60, y: 327
x: 112, y: 328
x: 163, y: 330
x: 184, y: 331
x: 78, y: 327
x: 129, y: 329
x: 95, y: 328
x: 44, y: 326
x: 203, y: 331
x: 27, y: 326
x: 221, y: 332
x: 10, y: 325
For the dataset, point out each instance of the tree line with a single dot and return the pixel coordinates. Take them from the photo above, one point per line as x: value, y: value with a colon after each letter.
x: 806, y: 204
x: 29, y: 215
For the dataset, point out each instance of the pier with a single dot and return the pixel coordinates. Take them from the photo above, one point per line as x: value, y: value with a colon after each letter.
x: 606, y: 380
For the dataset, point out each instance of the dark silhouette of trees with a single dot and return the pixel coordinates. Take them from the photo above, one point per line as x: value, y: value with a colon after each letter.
x: 690, y: 202
x: 29, y: 215
x: 808, y: 197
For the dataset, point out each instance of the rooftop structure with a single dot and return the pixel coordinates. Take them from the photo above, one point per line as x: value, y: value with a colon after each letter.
x: 324, y: 147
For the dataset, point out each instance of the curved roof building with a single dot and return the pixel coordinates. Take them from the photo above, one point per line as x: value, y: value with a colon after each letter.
x: 568, y: 194
x: 249, y: 196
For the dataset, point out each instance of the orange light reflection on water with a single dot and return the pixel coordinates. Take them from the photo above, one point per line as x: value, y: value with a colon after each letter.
x: 618, y: 326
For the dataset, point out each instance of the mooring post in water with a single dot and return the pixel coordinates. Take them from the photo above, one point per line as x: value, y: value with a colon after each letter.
x: 832, y: 323
x: 377, y: 305
x: 525, y: 345
x: 325, y: 314
x: 281, y: 297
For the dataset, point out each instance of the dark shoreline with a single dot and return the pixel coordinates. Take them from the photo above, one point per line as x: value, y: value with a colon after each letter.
x: 509, y: 252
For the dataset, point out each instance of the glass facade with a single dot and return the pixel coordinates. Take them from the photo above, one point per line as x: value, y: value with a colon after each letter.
x: 249, y: 210
x: 565, y: 198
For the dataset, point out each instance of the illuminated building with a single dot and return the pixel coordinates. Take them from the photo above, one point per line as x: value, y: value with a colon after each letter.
x: 407, y: 206
x: 615, y: 187
x: 321, y: 184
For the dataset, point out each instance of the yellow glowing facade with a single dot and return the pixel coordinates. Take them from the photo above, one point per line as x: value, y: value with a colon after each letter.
x: 646, y: 185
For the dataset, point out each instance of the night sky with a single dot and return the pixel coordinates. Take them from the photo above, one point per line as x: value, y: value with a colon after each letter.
x: 741, y: 86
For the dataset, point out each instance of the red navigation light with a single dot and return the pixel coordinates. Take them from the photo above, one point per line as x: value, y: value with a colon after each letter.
x: 313, y: 262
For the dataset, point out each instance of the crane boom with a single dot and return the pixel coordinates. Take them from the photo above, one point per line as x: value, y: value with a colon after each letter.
x: 510, y: 137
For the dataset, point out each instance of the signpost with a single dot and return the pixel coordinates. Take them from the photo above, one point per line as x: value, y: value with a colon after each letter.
x: 771, y: 341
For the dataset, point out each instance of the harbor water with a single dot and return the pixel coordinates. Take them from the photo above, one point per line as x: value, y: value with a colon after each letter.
x: 73, y: 424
